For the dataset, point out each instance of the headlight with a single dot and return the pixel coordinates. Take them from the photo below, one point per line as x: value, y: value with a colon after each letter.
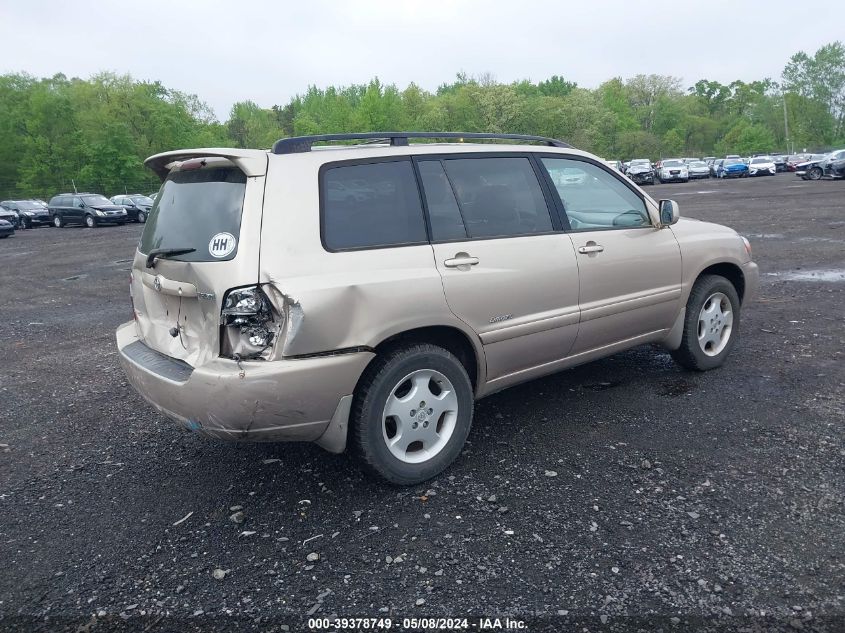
x: 747, y: 246
x: 98, y: 212
x: 30, y: 213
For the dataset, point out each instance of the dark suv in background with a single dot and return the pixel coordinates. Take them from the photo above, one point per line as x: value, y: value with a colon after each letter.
x: 137, y: 206
x: 90, y: 209
x: 29, y: 213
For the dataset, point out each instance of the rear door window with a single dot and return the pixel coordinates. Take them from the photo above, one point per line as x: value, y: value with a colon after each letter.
x: 371, y: 205
x: 498, y: 197
x: 199, y: 209
x: 443, y: 211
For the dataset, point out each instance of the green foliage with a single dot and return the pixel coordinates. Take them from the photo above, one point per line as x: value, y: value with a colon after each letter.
x: 97, y: 132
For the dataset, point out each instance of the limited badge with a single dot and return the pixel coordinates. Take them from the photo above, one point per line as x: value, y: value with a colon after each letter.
x: 222, y: 244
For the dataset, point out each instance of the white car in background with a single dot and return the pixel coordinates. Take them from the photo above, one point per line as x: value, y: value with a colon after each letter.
x: 615, y: 164
x: 674, y: 170
x: 762, y: 166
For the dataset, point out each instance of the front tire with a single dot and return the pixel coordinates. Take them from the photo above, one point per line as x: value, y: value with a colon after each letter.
x: 90, y: 222
x: 142, y: 217
x: 711, y: 324
x: 58, y: 221
x: 411, y: 413
x: 814, y: 174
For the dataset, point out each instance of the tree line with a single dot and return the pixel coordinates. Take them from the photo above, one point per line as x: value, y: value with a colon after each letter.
x: 94, y: 134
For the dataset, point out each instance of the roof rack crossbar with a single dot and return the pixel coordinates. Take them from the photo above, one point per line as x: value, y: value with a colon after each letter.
x: 301, y: 144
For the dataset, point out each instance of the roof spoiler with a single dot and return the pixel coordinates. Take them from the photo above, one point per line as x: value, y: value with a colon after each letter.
x: 251, y: 162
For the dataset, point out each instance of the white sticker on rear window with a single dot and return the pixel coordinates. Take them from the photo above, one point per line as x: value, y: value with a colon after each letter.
x: 221, y: 245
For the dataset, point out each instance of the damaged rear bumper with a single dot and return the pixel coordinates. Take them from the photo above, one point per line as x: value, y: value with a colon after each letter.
x: 270, y: 401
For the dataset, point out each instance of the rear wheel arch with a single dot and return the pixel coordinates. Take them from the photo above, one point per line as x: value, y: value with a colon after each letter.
x: 449, y: 338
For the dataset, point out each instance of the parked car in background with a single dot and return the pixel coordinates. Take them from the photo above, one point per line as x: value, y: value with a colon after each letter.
x: 836, y: 169
x: 793, y: 160
x: 244, y: 327
x: 814, y: 168
x: 90, y: 209
x: 780, y: 162
x: 673, y: 170
x: 6, y: 228
x: 31, y: 213
x: 762, y: 166
x: 137, y: 206
x: 641, y: 171
x: 615, y: 164
x: 708, y: 159
x: 733, y: 168
x: 714, y: 167
x: 10, y: 216
x: 698, y: 169
x: 732, y: 156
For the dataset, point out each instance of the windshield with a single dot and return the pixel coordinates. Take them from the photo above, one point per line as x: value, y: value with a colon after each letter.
x: 96, y: 200
x: 199, y: 209
x: 672, y: 163
x: 732, y: 161
x: 698, y: 163
x: 142, y: 200
x: 761, y: 159
x: 640, y: 161
x: 27, y: 205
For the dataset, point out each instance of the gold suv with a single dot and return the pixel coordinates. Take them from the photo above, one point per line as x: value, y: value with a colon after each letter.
x: 367, y: 295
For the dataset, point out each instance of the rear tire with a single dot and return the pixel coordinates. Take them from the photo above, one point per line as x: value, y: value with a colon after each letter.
x: 410, y: 402
x: 711, y: 324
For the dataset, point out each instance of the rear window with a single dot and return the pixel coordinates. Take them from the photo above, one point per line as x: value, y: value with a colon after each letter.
x: 371, y: 205
x: 199, y: 209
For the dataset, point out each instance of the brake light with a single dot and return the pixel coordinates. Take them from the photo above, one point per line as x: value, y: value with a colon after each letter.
x: 131, y: 298
x: 249, y: 323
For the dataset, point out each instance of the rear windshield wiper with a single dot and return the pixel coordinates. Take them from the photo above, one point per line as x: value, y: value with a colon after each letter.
x: 161, y: 253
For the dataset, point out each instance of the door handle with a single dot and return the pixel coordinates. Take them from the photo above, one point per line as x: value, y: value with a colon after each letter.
x: 461, y: 259
x: 591, y: 247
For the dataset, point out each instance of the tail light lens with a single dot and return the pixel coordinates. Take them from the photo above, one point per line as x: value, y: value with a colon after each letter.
x: 131, y: 298
x: 249, y: 323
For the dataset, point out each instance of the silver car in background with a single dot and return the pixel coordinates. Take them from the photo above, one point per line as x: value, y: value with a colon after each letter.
x: 698, y: 169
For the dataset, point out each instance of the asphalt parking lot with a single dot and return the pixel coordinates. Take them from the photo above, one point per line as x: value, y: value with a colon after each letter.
x: 620, y: 495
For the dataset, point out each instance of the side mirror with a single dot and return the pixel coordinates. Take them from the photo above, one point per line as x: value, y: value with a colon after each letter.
x: 669, y: 212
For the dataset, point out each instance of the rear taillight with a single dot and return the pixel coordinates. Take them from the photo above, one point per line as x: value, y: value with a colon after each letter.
x: 249, y: 323
x: 131, y: 298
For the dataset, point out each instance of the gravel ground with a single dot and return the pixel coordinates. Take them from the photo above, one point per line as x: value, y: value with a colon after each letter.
x: 625, y: 494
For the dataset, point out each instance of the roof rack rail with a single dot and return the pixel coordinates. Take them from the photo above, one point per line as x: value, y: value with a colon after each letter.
x: 300, y: 144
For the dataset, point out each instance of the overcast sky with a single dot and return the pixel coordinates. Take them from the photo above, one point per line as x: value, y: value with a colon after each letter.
x: 228, y: 51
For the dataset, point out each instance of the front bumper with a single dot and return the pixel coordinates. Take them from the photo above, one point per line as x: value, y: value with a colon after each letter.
x: 7, y: 230
x: 751, y: 274
x: 271, y: 401
x: 762, y: 172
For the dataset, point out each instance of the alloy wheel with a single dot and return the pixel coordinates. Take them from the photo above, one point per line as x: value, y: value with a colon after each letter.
x: 420, y: 415
x: 715, y: 324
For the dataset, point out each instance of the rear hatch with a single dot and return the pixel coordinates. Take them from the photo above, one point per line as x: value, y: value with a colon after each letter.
x: 210, y: 207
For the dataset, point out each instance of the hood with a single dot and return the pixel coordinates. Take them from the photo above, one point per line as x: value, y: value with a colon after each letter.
x: 108, y: 207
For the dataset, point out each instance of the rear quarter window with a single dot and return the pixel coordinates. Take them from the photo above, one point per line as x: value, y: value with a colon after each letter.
x: 370, y: 206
